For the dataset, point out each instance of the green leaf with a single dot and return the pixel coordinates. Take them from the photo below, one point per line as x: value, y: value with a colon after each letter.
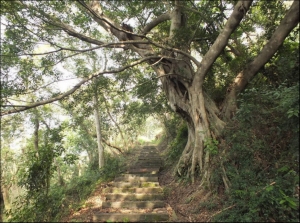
x: 282, y: 201
x: 269, y: 188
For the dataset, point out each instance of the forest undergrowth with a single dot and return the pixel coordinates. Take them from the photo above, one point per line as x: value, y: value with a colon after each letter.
x: 259, y: 149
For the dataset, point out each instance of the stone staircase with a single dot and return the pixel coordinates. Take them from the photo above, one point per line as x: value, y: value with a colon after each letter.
x: 136, y: 196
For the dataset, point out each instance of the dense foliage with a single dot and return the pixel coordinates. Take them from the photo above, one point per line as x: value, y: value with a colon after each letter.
x: 63, y: 199
x: 262, y: 157
x: 237, y: 120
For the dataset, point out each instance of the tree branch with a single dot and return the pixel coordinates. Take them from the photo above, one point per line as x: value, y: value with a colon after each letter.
x: 155, y: 22
x: 288, y: 23
x: 215, y: 50
x: 113, y: 146
x: 95, y: 10
x: 113, y: 120
x: 65, y: 27
x: 71, y: 91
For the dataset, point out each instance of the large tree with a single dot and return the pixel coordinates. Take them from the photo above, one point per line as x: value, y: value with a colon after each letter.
x: 186, y: 43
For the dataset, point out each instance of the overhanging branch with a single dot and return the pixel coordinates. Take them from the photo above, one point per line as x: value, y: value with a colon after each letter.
x: 155, y: 22
x: 56, y: 22
x: 113, y: 146
x: 77, y: 86
x: 215, y: 50
x: 288, y: 23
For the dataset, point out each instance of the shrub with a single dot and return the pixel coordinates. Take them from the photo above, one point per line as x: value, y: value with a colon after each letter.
x: 177, y: 145
x: 262, y: 157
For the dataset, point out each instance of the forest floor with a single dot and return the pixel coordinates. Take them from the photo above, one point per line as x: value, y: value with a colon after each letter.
x: 182, y: 198
x: 185, y: 198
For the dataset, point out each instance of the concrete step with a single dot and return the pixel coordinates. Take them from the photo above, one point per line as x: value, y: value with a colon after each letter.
x: 135, y: 184
x: 146, y: 190
x: 131, y: 217
x: 156, y: 158
x: 149, y: 156
x: 131, y: 178
x: 133, y: 197
x: 142, y: 172
x: 149, y: 159
x: 141, y: 163
x: 131, y: 175
x: 147, y: 164
x: 133, y: 205
x: 135, y: 170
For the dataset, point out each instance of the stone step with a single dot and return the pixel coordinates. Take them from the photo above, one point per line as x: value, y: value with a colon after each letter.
x: 143, y: 170
x: 135, y: 171
x: 130, y: 175
x: 145, y: 190
x: 149, y: 149
x: 149, y: 161
x: 133, y: 197
x: 146, y: 166
x: 131, y: 178
x: 134, y: 184
x: 150, y: 158
x: 131, y: 217
x: 141, y: 163
x: 133, y: 205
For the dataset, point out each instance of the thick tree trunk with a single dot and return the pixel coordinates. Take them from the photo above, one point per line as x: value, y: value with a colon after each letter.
x: 183, y: 87
x: 182, y: 83
x: 6, y: 197
x: 197, y: 108
x: 98, y: 131
x: 60, y: 179
x: 36, y: 132
x: 201, y: 115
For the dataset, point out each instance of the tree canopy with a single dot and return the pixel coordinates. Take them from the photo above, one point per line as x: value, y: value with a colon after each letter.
x: 198, y: 55
x: 207, y: 61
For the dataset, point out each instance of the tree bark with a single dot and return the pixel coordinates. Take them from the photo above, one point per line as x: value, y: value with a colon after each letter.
x: 60, y: 178
x: 113, y: 120
x: 289, y: 22
x: 182, y: 83
x: 36, y: 132
x: 188, y: 98
x: 98, y: 130
x: 6, y: 197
